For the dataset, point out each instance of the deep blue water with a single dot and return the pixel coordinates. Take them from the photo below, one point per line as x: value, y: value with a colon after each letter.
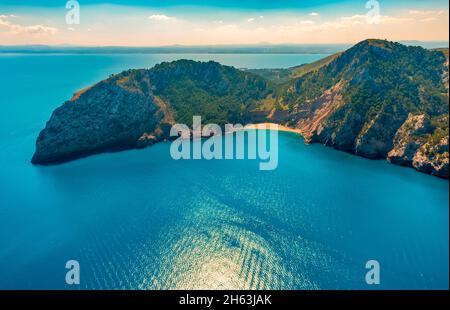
x: 139, y: 219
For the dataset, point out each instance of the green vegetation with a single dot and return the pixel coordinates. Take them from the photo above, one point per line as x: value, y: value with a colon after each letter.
x: 220, y: 94
x: 300, y: 71
x: 281, y: 76
x: 378, y: 78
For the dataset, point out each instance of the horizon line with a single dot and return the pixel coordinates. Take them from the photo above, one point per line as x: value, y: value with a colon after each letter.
x: 219, y: 45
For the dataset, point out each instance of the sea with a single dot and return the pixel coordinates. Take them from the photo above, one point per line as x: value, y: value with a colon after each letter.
x: 139, y: 219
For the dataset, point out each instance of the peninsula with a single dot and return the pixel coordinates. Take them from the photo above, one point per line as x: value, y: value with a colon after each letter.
x: 378, y: 99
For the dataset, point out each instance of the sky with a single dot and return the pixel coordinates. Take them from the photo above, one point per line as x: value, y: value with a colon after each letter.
x: 213, y: 22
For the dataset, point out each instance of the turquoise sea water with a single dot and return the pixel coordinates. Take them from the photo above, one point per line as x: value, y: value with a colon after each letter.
x: 140, y: 220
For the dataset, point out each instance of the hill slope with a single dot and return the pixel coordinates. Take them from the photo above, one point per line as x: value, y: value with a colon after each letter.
x: 360, y: 100
x: 281, y: 76
x: 137, y: 108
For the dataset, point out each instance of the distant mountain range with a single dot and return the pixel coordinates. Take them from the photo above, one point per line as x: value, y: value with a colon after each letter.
x: 377, y: 99
x: 206, y: 49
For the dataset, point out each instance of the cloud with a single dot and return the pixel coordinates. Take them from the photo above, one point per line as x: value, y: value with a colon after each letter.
x: 346, y: 25
x: 429, y: 19
x: 5, y: 23
x: 390, y: 20
x: 359, y: 19
x: 307, y: 22
x: 251, y: 20
x: 429, y: 12
x: 427, y: 15
x: 352, y: 20
x: 161, y: 17
x: 314, y: 14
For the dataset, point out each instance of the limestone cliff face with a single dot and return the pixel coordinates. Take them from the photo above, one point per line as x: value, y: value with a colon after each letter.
x: 311, y: 116
x: 110, y: 115
x: 420, y: 144
x: 433, y: 159
x: 409, y: 138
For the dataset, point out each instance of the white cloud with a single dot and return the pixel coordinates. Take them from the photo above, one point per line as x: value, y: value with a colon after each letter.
x: 390, y: 20
x: 250, y: 20
x: 306, y: 22
x: 314, y: 14
x: 161, y: 17
x: 430, y: 19
x: 429, y: 12
x: 427, y: 15
x: 5, y: 23
x: 353, y: 20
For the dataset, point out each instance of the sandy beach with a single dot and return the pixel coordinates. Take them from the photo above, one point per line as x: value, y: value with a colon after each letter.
x: 273, y: 126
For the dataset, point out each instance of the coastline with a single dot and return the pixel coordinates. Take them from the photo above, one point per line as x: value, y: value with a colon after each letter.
x: 274, y: 126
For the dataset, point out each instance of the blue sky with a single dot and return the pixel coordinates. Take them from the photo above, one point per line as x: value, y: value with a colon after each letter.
x: 235, y: 4
x: 189, y: 22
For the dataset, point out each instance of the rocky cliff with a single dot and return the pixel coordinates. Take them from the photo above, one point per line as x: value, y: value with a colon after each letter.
x: 110, y: 115
x: 378, y: 99
x: 422, y: 144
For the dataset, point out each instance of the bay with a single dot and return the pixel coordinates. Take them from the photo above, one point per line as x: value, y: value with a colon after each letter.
x: 140, y: 220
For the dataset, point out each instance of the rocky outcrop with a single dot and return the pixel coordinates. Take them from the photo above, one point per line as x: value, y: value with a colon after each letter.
x: 375, y: 140
x: 409, y: 138
x: 111, y: 115
x: 420, y: 144
x: 433, y: 159
x: 309, y: 118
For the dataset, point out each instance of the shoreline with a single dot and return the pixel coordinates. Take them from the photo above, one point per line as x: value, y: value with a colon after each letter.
x: 273, y: 126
